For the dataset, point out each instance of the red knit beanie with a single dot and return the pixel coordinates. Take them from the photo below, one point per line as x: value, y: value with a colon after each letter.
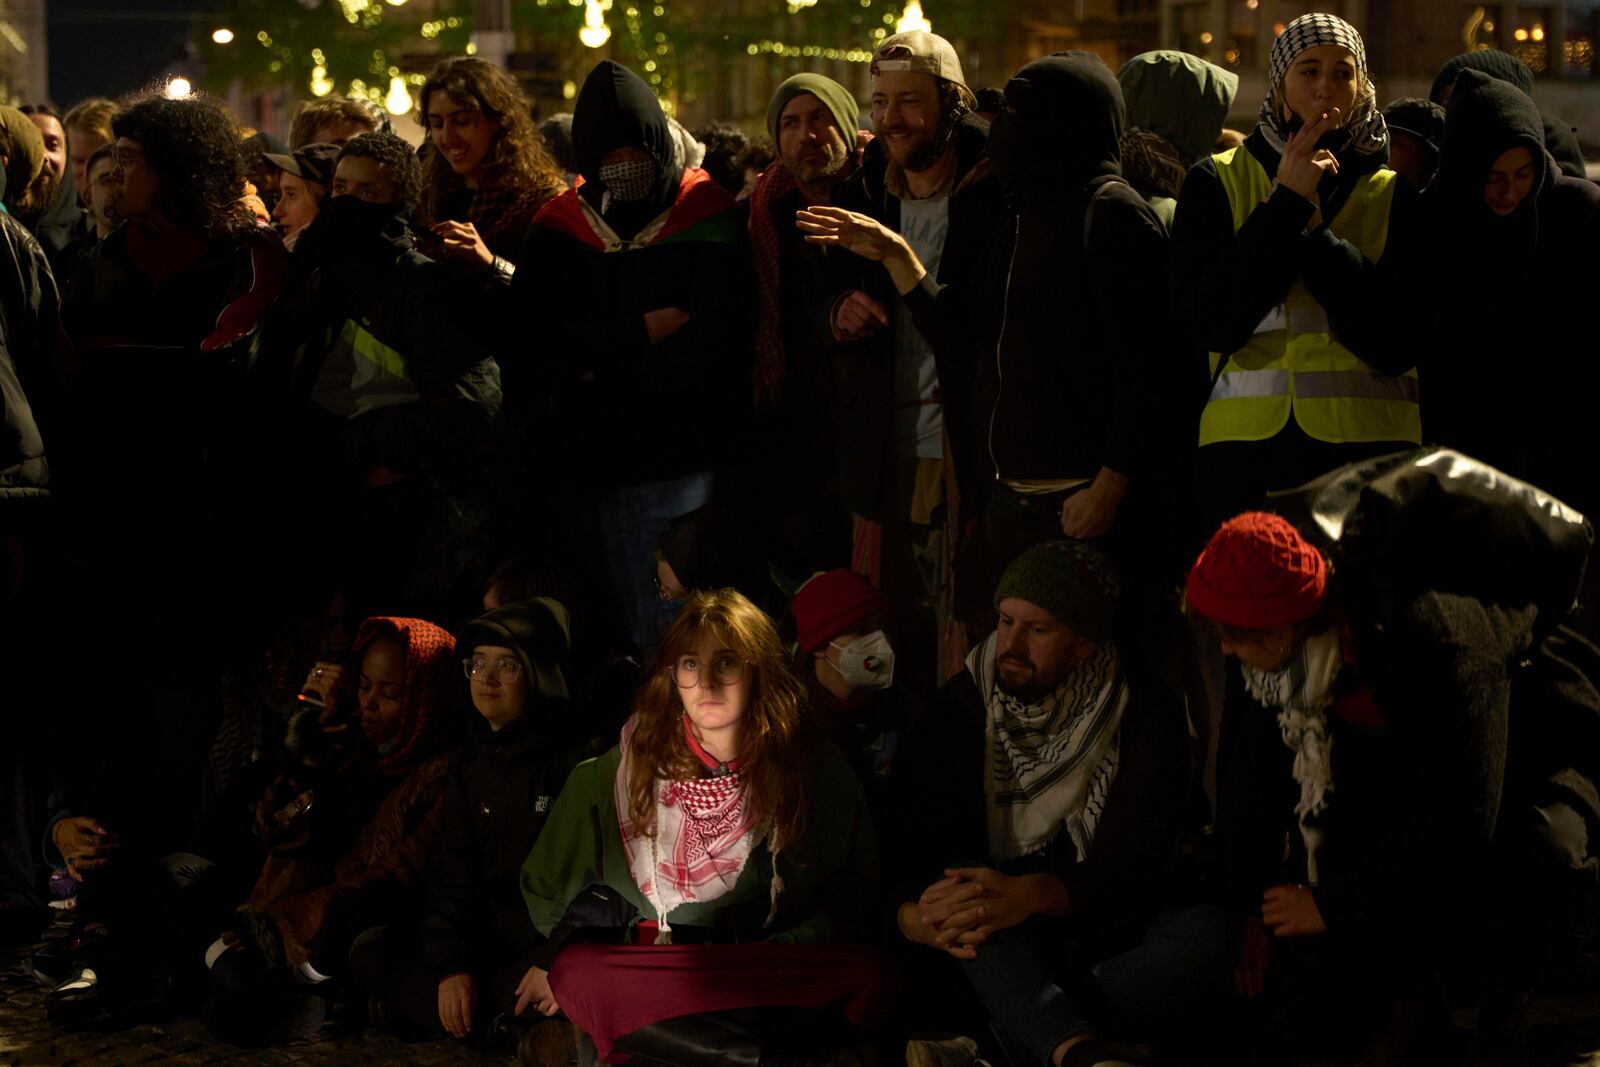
x: 833, y: 603
x: 1258, y: 572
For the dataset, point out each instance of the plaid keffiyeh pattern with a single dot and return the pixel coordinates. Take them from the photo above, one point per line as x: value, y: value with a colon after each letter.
x: 705, y: 831
x: 1365, y: 126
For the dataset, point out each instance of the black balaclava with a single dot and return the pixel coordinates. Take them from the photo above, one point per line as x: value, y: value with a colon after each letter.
x: 616, y: 109
x: 1061, y: 127
x: 1485, y: 118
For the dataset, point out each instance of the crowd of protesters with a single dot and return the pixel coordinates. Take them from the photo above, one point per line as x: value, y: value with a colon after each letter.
x: 1046, y: 580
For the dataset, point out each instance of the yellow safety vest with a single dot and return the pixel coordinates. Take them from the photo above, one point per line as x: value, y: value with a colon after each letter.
x: 1293, y: 364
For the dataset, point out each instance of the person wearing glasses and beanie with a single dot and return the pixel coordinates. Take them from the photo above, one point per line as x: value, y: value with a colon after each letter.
x: 461, y: 968
x: 1412, y: 803
x: 718, y: 860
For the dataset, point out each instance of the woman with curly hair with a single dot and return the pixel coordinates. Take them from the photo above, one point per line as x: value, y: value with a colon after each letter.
x: 163, y: 318
x: 486, y: 171
x: 735, y: 857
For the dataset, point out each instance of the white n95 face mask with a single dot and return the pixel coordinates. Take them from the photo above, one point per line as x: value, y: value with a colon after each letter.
x: 867, y: 662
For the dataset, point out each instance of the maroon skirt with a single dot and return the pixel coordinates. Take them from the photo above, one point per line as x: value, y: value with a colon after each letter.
x: 611, y: 990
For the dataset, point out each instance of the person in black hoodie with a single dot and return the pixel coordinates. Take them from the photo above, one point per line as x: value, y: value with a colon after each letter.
x: 645, y: 367
x: 390, y: 387
x: 1509, y: 384
x: 463, y: 966
x: 1282, y: 248
x: 1061, y: 436
x: 1560, y: 138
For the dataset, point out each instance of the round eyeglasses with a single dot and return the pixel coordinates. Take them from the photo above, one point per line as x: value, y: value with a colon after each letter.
x: 725, y: 668
x: 502, y: 670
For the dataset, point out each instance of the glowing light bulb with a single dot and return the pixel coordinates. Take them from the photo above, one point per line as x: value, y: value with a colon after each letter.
x: 320, y: 85
x: 178, y: 88
x: 398, y: 102
x: 912, y: 19
x: 222, y: 35
x: 595, y: 32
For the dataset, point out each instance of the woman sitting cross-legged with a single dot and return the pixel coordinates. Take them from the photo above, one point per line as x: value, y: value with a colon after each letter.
x: 706, y: 884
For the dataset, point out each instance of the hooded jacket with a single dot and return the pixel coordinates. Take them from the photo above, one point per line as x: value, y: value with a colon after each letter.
x: 595, y: 385
x: 497, y: 796
x: 1068, y: 363
x: 1508, y: 384
x: 864, y: 370
x: 1178, y: 96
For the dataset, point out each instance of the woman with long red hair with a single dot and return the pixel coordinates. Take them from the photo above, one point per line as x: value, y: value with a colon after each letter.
x: 718, y: 839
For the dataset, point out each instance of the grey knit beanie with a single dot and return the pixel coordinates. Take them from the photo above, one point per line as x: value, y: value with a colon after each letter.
x: 1074, y: 582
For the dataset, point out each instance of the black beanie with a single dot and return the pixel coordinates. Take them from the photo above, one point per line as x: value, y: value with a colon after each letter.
x: 1076, y: 583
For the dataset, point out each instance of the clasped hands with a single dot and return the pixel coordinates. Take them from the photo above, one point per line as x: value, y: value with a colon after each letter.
x: 958, y: 913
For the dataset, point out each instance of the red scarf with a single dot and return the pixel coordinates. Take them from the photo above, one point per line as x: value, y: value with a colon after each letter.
x: 704, y: 833
x: 699, y: 200
x: 775, y: 182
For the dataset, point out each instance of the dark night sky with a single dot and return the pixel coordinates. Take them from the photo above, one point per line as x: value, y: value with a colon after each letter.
x: 109, y: 47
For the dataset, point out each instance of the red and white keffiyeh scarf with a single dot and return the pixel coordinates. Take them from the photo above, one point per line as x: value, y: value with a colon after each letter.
x: 705, y: 830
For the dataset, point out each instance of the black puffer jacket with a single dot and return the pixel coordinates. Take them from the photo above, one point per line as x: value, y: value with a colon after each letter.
x: 157, y: 447
x: 391, y: 365
x: 496, y: 799
x: 864, y: 373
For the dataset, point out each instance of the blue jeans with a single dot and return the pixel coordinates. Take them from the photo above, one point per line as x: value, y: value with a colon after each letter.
x: 632, y: 518
x: 1181, y: 961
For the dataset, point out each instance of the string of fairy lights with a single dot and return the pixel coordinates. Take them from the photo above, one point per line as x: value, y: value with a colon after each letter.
x: 649, y: 39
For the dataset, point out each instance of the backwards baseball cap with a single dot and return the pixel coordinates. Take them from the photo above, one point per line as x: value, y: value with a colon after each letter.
x: 920, y: 52
x: 313, y: 163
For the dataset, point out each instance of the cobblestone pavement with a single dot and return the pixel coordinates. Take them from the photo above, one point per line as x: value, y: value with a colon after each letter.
x: 28, y: 1040
x: 1564, y: 1032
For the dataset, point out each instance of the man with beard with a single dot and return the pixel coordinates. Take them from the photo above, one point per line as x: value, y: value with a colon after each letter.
x: 1076, y: 380
x: 812, y: 120
x: 926, y: 178
x: 1039, y: 804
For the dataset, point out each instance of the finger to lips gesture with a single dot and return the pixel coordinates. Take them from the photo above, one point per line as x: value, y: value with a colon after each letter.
x: 1303, y: 164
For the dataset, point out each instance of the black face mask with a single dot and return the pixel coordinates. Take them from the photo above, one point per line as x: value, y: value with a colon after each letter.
x: 347, y: 218
x: 1008, y: 148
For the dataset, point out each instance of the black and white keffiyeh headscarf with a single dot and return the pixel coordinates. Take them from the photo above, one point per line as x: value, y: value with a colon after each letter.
x: 1366, y: 129
x: 1301, y: 691
x: 1050, y: 765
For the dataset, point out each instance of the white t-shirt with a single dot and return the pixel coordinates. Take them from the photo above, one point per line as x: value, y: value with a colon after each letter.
x: 918, y: 420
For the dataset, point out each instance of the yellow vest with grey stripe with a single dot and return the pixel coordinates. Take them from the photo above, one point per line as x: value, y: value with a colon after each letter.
x: 1293, y: 365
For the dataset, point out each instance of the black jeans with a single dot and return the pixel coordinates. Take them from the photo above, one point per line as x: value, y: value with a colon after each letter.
x: 388, y: 962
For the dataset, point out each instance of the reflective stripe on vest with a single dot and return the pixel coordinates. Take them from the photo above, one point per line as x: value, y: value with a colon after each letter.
x: 1293, y: 365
